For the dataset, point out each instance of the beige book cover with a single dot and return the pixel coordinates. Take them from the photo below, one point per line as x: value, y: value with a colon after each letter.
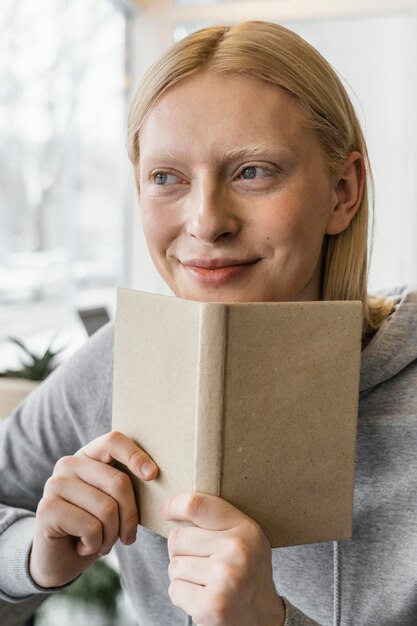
x: 253, y: 402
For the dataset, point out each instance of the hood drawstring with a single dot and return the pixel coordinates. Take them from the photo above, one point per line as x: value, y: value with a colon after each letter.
x: 336, y: 584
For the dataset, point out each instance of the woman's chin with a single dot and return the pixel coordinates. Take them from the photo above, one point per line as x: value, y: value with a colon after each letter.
x: 229, y: 296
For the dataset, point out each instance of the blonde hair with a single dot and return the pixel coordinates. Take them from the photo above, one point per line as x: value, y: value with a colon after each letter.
x: 277, y: 55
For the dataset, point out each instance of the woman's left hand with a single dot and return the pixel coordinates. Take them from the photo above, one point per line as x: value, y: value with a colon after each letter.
x: 220, y: 569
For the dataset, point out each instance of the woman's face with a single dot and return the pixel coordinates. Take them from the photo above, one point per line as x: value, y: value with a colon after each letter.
x: 235, y: 197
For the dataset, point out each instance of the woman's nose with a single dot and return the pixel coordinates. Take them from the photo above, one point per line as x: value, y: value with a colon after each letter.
x: 212, y: 214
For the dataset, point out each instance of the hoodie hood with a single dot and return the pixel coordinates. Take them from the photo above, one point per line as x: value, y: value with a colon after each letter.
x: 394, y: 346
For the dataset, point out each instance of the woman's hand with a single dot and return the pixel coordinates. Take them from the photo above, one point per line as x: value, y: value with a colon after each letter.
x: 86, y: 506
x: 221, y: 569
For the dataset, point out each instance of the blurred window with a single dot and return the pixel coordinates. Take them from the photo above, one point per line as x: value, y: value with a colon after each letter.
x: 62, y: 152
x: 196, y: 3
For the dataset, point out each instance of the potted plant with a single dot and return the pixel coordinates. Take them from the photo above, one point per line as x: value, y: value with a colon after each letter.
x: 15, y: 384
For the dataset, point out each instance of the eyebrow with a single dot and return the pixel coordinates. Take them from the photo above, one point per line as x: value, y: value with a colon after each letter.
x: 256, y: 150
x: 250, y: 150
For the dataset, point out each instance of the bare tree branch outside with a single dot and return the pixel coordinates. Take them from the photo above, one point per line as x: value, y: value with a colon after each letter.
x: 61, y: 145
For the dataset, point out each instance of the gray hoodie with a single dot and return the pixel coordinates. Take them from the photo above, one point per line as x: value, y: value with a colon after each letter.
x: 370, y: 580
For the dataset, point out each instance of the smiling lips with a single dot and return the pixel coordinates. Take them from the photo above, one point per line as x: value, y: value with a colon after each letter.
x: 217, y: 271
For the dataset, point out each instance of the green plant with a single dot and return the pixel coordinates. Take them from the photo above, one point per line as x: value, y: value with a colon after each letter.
x: 98, y: 586
x: 40, y: 366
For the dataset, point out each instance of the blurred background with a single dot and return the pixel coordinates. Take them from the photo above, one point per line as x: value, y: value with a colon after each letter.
x: 70, y: 230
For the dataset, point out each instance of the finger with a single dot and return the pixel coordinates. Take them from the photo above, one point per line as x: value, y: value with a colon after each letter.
x: 205, y: 511
x: 109, y: 480
x: 61, y: 518
x: 199, y: 542
x: 190, y: 598
x: 192, y: 569
x: 89, y: 499
x: 194, y: 541
x: 115, y: 446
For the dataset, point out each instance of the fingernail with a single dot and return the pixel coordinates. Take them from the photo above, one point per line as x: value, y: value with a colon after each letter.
x: 131, y: 539
x: 147, y: 469
x: 83, y: 550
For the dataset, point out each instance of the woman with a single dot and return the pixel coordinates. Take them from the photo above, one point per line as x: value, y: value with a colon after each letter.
x: 251, y: 169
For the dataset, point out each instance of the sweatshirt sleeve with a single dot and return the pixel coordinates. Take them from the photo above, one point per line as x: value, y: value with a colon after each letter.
x: 61, y: 415
x: 294, y: 617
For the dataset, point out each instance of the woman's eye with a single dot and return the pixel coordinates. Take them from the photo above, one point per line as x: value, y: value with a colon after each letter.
x: 163, y: 178
x: 254, y: 171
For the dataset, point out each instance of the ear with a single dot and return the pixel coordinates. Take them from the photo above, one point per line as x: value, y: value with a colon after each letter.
x: 348, y: 192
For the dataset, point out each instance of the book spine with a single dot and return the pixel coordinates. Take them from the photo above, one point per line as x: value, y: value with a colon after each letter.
x: 210, y: 398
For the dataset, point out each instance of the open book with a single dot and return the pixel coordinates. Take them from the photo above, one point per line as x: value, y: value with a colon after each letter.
x: 253, y: 402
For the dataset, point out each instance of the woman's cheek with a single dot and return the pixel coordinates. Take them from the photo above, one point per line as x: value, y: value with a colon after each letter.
x: 154, y: 223
x: 283, y: 227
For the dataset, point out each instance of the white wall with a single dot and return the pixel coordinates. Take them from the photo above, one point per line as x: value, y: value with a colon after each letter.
x: 373, y: 55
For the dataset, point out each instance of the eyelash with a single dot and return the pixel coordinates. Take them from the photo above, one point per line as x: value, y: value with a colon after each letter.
x: 155, y: 174
x: 270, y: 172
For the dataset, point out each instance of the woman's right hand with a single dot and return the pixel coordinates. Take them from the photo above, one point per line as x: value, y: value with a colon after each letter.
x: 87, y: 505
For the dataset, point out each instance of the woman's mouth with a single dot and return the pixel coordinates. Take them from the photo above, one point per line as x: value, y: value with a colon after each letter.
x: 217, y: 272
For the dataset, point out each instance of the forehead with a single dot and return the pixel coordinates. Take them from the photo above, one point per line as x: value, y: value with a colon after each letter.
x: 209, y: 113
